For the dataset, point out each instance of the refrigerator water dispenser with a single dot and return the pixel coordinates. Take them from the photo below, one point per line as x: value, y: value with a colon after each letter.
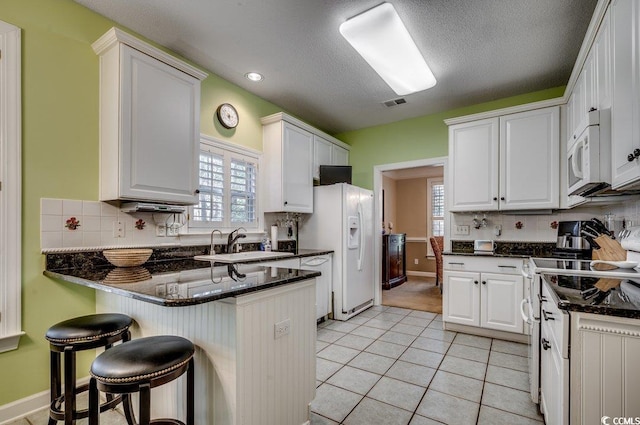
x: 354, y: 232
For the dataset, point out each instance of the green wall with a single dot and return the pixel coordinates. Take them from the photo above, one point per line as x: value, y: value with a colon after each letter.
x: 60, y: 157
x: 60, y: 160
x: 416, y: 138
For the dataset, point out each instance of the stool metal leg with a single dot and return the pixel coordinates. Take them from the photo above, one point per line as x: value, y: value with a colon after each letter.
x: 69, y: 385
x: 190, y: 393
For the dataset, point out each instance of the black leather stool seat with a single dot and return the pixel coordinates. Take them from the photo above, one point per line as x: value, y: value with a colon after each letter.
x: 87, y: 329
x: 138, y: 366
x: 78, y: 334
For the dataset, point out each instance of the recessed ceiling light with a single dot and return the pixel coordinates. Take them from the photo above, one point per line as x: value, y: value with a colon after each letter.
x: 380, y: 37
x: 254, y: 76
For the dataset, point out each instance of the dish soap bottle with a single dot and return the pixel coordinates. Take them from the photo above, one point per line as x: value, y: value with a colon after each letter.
x: 267, y: 245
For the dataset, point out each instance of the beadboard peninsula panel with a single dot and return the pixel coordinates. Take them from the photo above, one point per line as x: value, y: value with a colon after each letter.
x: 244, y: 375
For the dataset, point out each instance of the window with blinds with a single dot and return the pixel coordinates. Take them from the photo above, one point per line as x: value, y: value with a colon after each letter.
x: 228, y: 187
x: 437, y: 209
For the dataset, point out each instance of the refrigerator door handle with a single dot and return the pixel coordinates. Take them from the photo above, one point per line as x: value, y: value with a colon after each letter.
x: 361, y: 244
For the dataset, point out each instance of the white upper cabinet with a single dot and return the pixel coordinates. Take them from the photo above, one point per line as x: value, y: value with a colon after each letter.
x: 530, y: 159
x: 322, y: 150
x: 287, y: 165
x: 149, y: 122
x: 506, y: 163
x: 625, y: 102
x: 339, y: 155
x: 601, y: 51
x: 473, y: 148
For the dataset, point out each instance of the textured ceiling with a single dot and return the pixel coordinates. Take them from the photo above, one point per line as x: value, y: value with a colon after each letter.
x: 479, y: 50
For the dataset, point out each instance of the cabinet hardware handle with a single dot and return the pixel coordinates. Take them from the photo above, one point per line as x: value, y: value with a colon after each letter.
x: 475, y: 281
x: 285, y: 202
x: 547, y: 315
x: 508, y: 267
x: 636, y: 152
x: 630, y: 157
x: 542, y: 298
x: 456, y: 264
x: 197, y: 191
x: 592, y: 109
x: 502, y: 198
x: 484, y: 282
x: 495, y: 198
x: 545, y: 344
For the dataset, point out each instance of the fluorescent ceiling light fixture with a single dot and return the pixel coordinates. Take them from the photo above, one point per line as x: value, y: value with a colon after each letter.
x: 381, y: 38
x: 254, y: 76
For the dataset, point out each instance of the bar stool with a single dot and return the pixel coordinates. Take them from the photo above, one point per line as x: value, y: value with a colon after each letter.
x: 78, y: 334
x: 138, y: 366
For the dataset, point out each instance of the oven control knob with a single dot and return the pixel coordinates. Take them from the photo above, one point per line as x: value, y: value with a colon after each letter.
x: 545, y: 344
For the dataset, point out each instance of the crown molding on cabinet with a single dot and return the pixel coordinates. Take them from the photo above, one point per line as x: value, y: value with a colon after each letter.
x: 506, y: 111
x: 281, y: 116
x: 116, y: 35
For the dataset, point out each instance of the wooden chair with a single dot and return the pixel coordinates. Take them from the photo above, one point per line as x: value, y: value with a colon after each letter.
x: 437, y: 244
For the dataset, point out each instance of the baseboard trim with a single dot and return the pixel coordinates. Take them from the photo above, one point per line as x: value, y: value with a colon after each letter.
x: 26, y: 406
x: 490, y: 333
x: 420, y: 274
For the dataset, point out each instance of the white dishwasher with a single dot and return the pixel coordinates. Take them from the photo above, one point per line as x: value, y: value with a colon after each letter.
x: 322, y: 264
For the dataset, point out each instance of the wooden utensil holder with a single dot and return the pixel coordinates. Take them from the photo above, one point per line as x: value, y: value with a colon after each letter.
x: 610, y: 250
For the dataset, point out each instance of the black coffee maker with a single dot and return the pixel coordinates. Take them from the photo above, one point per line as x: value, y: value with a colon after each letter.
x: 570, y: 242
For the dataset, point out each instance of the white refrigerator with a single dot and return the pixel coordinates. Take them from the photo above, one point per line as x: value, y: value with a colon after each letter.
x: 342, y: 221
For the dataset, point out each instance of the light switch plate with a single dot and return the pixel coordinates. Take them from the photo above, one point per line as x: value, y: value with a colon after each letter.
x: 461, y: 229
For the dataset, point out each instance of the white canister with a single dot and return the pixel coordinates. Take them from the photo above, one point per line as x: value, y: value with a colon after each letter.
x: 274, y: 237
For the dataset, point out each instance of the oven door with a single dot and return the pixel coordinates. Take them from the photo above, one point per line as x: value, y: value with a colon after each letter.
x: 530, y: 310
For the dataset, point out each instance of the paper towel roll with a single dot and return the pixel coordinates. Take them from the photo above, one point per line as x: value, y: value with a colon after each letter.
x: 274, y: 238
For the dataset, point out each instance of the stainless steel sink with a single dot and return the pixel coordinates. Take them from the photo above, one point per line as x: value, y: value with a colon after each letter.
x: 242, y: 257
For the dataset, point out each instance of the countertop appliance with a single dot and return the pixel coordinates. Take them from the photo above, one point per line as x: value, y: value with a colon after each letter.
x: 342, y: 221
x: 589, y: 157
x: 570, y: 242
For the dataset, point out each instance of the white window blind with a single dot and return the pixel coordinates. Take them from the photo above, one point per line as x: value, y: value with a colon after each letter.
x: 435, y: 210
x: 228, y: 187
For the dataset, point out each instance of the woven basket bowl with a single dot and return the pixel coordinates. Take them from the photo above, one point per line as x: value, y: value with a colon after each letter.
x: 127, y: 257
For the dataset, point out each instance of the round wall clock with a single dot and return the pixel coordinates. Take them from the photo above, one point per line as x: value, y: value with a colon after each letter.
x: 227, y: 115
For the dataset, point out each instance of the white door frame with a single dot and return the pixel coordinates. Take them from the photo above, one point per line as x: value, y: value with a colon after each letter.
x: 377, y: 212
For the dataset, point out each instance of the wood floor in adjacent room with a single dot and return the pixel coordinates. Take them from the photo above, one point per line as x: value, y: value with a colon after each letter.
x: 417, y: 293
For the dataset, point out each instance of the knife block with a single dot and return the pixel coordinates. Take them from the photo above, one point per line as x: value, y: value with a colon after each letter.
x: 610, y: 250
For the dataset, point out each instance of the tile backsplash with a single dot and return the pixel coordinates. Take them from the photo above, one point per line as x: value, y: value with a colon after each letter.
x: 66, y: 223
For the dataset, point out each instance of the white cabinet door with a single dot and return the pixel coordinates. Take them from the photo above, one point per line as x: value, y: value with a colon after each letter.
x: 297, y: 160
x: 321, y: 154
x: 149, y: 129
x: 530, y: 160
x: 500, y: 299
x: 461, y: 296
x: 554, y: 380
x: 625, y: 107
x: 339, y: 155
x: 473, y: 147
x: 602, y: 51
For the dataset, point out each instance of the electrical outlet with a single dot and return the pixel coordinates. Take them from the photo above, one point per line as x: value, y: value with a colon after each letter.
x: 172, y: 230
x: 118, y: 229
x: 161, y: 230
x: 172, y: 288
x: 416, y: 261
x: 282, y: 328
x: 462, y: 229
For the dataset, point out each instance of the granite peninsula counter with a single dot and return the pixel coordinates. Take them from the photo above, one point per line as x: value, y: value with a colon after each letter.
x: 253, y: 325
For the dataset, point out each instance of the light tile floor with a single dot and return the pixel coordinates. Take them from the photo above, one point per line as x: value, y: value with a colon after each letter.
x: 393, y: 366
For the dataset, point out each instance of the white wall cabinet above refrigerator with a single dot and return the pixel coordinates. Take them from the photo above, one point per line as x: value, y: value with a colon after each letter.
x: 506, y: 163
x: 149, y: 122
x: 292, y: 154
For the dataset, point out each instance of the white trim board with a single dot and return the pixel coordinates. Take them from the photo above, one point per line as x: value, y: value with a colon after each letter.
x: 11, y: 193
x: 420, y: 274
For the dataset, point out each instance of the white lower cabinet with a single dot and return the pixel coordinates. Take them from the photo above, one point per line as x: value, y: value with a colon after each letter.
x: 483, y: 292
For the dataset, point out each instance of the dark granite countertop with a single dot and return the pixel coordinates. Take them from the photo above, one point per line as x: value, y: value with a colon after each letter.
x: 567, y: 291
x: 181, y: 282
x: 504, y: 249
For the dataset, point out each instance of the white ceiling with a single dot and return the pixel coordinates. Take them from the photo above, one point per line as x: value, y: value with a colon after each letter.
x: 479, y: 50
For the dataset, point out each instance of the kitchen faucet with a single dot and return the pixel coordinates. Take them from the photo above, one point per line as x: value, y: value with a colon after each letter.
x: 212, y: 248
x: 231, y: 241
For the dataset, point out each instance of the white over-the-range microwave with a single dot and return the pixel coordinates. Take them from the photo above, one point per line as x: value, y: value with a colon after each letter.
x: 589, y: 157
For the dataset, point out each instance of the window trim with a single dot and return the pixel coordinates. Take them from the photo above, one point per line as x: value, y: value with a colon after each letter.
x: 11, y: 190
x: 238, y: 151
x: 431, y: 181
